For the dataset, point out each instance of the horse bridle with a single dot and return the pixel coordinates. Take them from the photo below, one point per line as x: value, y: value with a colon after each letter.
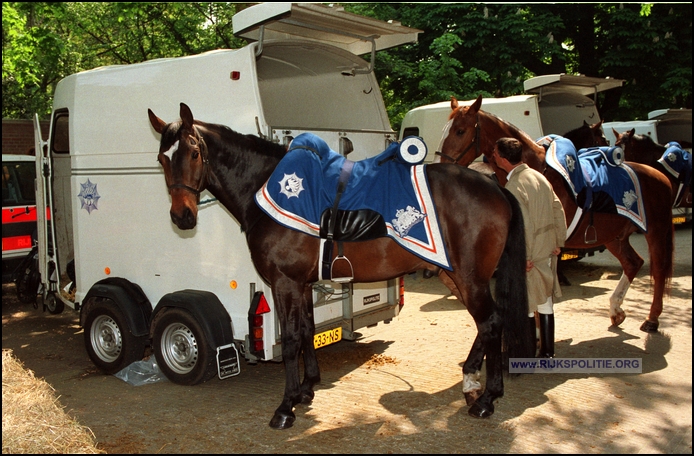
x: 202, y: 146
x: 476, y: 141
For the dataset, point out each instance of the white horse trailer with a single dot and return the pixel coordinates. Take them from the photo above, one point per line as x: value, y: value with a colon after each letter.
x: 195, y: 295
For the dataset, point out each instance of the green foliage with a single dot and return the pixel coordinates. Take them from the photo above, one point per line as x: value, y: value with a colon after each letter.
x: 465, y: 49
x: 44, y: 42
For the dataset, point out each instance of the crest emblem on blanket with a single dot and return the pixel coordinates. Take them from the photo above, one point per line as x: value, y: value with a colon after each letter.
x: 629, y: 199
x: 405, y: 219
x: 291, y: 185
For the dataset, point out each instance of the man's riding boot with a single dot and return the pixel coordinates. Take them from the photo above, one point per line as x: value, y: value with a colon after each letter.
x: 546, y: 336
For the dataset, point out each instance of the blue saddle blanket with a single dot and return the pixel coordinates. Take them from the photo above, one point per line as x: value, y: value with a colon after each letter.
x: 595, y: 167
x: 304, y: 185
x: 677, y: 162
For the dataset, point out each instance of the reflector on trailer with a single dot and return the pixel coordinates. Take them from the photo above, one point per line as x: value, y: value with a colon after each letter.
x: 263, y: 306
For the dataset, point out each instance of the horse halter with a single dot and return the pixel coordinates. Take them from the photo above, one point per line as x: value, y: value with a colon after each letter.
x: 202, y: 146
x: 476, y: 141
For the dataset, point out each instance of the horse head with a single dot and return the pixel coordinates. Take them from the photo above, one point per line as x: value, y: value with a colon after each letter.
x: 183, y: 155
x: 587, y: 136
x: 624, y: 140
x: 599, y: 138
x: 460, y: 141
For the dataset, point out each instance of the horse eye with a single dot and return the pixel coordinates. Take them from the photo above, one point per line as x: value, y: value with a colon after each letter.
x: 195, y: 155
x: 460, y: 132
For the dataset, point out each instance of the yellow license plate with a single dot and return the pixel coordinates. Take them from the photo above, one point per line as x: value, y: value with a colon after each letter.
x: 569, y: 255
x: 327, y: 337
x: 678, y: 220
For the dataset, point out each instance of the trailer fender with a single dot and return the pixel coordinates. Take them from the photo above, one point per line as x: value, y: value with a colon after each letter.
x: 207, y: 310
x: 128, y: 296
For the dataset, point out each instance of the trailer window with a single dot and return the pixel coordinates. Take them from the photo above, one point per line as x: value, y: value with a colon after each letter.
x: 61, y: 133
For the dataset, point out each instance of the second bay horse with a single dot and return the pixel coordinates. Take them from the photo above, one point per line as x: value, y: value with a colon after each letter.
x: 471, y: 132
x: 642, y: 149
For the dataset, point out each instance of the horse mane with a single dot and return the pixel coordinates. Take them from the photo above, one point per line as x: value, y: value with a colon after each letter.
x: 515, y: 131
x: 230, y: 142
x: 578, y: 133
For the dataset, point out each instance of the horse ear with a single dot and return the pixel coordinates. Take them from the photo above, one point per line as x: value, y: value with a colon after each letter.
x: 631, y: 132
x: 186, y: 116
x: 585, y: 124
x: 454, y: 104
x: 615, y: 132
x: 475, y: 106
x: 158, y: 124
x: 599, y: 124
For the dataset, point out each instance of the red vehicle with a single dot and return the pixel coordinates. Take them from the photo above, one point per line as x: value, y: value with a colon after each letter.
x: 18, y: 210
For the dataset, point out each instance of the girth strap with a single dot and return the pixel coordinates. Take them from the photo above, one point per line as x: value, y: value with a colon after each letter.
x: 345, y: 172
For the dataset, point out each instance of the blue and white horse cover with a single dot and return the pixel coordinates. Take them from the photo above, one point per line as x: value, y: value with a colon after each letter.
x: 304, y: 185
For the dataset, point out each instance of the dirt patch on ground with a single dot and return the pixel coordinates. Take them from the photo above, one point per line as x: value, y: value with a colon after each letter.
x: 398, y: 389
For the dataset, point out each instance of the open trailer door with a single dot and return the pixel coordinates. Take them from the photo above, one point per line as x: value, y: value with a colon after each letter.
x: 328, y: 24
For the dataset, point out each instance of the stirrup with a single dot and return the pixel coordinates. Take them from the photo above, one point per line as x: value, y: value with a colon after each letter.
x: 345, y: 279
x: 592, y: 240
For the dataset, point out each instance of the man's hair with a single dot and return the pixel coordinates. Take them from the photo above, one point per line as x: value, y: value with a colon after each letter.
x: 510, y: 149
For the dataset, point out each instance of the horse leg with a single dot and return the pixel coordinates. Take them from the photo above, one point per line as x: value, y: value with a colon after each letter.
x: 472, y: 388
x: 660, y: 250
x: 489, y: 332
x: 480, y: 304
x: 289, y: 300
x: 308, y: 329
x: 631, y: 263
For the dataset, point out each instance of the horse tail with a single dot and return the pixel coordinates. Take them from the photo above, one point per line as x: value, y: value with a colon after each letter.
x: 518, y: 336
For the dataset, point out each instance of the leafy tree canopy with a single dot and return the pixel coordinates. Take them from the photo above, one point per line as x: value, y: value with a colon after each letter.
x: 465, y: 49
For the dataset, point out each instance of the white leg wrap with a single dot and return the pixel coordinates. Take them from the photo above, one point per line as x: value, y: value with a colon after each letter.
x: 617, y: 297
x: 470, y: 382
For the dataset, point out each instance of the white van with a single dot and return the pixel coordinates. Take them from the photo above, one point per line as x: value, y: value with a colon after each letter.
x: 554, y: 104
x: 195, y: 294
x: 662, y: 125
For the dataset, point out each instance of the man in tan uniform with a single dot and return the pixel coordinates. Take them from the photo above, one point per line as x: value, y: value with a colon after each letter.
x: 545, y: 233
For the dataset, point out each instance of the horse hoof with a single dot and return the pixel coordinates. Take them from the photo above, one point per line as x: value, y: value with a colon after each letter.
x: 282, y: 421
x: 478, y: 411
x: 307, y: 398
x: 649, y: 326
x: 618, y: 319
x: 471, y: 396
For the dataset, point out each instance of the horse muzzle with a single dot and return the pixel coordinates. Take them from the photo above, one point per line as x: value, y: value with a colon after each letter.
x: 185, y: 219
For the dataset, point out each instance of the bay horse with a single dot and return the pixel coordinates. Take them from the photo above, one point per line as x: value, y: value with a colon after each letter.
x: 587, y: 135
x: 471, y: 132
x: 481, y: 225
x: 642, y: 149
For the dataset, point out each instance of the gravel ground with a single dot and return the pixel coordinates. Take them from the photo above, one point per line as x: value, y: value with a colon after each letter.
x: 398, y: 389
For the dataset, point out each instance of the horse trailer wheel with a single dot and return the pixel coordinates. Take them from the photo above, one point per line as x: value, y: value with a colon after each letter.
x: 181, y: 348
x: 54, y: 305
x: 108, y: 339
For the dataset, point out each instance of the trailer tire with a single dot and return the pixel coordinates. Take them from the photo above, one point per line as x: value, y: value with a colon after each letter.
x: 54, y: 305
x: 181, y: 348
x: 109, y: 340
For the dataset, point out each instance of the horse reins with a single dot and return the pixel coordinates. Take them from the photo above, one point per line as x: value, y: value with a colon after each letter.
x: 462, y: 154
x: 202, y: 146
